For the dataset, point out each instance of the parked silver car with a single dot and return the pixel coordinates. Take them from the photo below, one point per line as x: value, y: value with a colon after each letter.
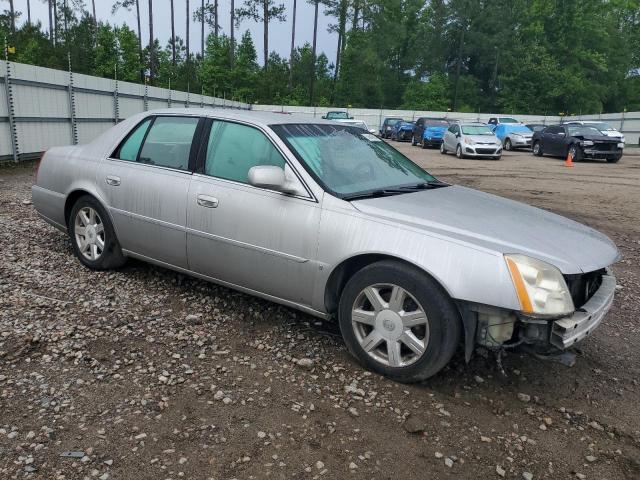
x: 470, y: 139
x: 333, y: 221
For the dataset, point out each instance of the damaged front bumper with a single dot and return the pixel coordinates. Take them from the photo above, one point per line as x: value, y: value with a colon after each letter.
x: 496, y: 328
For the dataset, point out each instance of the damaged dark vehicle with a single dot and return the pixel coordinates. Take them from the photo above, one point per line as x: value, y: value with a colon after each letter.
x: 582, y: 142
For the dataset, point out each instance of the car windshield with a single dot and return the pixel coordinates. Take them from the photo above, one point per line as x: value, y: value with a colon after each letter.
x: 536, y: 128
x: 508, y: 120
x: 476, y: 130
x: 393, y: 121
x: 518, y: 129
x: 436, y: 124
x: 602, y: 126
x: 337, y: 115
x: 361, y: 125
x: 578, y: 130
x: 347, y: 161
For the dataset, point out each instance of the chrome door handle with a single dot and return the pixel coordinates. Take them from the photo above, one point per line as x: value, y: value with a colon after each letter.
x: 207, y: 201
x: 113, y: 180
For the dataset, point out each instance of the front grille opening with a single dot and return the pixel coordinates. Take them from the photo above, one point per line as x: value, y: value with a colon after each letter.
x: 582, y: 286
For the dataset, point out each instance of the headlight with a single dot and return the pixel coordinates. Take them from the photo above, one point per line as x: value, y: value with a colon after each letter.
x: 540, y: 287
x: 468, y: 141
x: 621, y: 145
x: 587, y: 143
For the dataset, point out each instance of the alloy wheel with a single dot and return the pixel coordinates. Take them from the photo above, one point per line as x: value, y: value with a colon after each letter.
x: 390, y: 325
x: 89, y: 233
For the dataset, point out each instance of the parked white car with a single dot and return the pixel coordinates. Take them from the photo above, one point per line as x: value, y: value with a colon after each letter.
x: 604, y: 127
x: 471, y: 139
x: 358, y: 124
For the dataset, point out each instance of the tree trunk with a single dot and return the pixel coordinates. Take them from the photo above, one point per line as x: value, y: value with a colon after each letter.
x: 202, y: 30
x: 455, y: 94
x: 66, y: 21
x: 152, y: 58
x: 187, y: 36
x: 215, y: 18
x: 232, y: 35
x: 313, y: 52
x: 50, y: 21
x: 140, y: 41
x: 293, y: 41
x: 173, y: 36
x: 55, y: 21
x: 265, y: 20
x: 356, y: 13
x: 93, y: 6
x: 12, y: 12
x: 342, y: 26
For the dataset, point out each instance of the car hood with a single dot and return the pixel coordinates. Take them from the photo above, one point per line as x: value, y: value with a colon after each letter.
x: 598, y: 138
x: 491, y: 139
x: 435, y: 130
x: 499, y: 224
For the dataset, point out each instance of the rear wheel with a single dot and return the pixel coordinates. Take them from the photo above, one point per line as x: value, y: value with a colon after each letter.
x: 537, y: 148
x: 443, y: 150
x: 92, y: 235
x: 397, y: 321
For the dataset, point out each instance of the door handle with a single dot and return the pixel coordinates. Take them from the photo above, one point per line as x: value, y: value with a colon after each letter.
x: 113, y: 180
x: 207, y: 201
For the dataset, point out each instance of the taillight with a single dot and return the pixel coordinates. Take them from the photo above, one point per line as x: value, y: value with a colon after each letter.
x: 38, y: 164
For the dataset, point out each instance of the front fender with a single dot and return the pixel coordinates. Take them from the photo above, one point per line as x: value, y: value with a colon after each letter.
x: 466, y: 272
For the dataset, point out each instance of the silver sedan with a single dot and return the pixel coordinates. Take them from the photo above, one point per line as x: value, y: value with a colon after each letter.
x: 330, y: 220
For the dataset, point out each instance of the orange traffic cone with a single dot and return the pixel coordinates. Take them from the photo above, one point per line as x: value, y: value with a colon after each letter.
x: 569, y: 161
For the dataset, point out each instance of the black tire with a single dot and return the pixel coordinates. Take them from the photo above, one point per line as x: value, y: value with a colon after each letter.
x: 413, y: 141
x: 443, y: 150
x: 615, y: 159
x: 423, y: 144
x: 111, y: 255
x: 444, y: 323
x: 536, y: 149
x: 497, y: 157
x: 575, y: 152
x: 459, y: 153
x: 508, y: 146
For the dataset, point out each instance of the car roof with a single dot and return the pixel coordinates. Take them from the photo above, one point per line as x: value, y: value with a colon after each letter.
x: 260, y: 118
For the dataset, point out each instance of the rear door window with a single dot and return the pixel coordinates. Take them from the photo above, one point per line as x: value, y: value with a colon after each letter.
x: 168, y: 142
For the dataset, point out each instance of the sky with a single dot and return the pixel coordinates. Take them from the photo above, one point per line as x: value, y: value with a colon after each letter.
x: 279, y: 33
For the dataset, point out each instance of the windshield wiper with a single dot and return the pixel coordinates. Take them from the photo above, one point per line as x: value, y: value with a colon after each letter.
x: 425, y: 185
x: 374, y: 194
x: 395, y: 190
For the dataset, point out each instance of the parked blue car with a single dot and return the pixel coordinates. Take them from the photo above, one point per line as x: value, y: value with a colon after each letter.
x: 513, y: 135
x: 402, y: 131
x: 429, y: 132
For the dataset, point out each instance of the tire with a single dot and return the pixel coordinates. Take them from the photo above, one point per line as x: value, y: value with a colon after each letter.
x: 413, y: 141
x: 423, y: 144
x: 508, y: 146
x: 497, y: 158
x: 102, y: 252
x: 536, y: 149
x: 459, y: 152
x: 443, y: 150
x: 435, y: 335
x: 575, y: 152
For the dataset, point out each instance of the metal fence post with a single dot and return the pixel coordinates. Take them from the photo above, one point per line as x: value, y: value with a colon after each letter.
x: 72, y: 105
x: 10, y: 107
x: 145, y: 99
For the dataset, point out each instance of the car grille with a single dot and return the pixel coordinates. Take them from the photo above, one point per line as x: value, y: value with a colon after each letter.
x: 485, y: 151
x: 583, y: 286
x: 605, y: 147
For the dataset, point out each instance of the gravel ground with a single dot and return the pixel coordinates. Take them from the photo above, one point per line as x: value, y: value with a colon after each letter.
x: 144, y: 373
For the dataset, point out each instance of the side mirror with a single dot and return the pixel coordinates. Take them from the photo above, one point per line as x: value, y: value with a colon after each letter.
x: 272, y: 177
x: 561, y: 134
x: 457, y: 135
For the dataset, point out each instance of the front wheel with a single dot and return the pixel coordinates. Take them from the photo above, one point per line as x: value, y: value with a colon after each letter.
x: 397, y: 321
x: 459, y: 151
x: 413, y: 141
x: 92, y: 235
x: 537, y: 149
x: 508, y: 146
x: 575, y: 153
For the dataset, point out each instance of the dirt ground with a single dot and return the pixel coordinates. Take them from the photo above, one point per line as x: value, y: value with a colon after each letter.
x: 144, y: 373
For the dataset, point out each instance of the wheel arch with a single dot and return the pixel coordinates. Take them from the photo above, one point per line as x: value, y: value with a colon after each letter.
x: 72, y: 198
x: 343, y: 272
